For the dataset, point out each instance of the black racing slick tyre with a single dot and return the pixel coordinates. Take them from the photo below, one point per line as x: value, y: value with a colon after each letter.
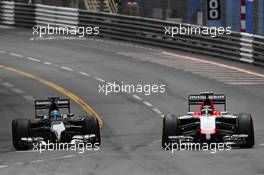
x: 92, y: 127
x: 170, y: 128
x: 20, y: 129
x: 245, y: 126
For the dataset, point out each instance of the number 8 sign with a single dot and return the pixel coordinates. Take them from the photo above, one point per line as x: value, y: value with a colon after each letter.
x: 214, y: 9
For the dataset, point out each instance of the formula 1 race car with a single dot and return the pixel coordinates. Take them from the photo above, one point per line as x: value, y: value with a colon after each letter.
x: 54, y: 127
x: 208, y: 125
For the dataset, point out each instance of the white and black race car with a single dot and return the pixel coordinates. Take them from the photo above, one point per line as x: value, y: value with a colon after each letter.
x: 208, y: 125
x: 54, y: 127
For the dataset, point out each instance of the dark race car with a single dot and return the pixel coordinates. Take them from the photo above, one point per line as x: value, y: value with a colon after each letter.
x: 54, y: 127
x: 208, y: 125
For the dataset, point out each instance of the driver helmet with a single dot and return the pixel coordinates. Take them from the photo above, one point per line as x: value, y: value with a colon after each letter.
x: 54, y: 114
x: 207, y: 110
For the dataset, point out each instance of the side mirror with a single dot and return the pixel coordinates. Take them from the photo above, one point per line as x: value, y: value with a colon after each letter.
x: 224, y: 112
x: 39, y: 116
x: 70, y: 115
x: 190, y: 113
x: 42, y: 117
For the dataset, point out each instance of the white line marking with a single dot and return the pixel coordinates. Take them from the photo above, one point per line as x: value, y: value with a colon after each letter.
x: 47, y: 63
x: 27, y: 151
x: 145, y: 57
x: 135, y: 54
x: 19, y: 163
x: 1, y: 51
x: 99, y: 79
x: 68, y: 156
x: 245, y: 76
x: 215, y: 63
x: 148, y: 104
x: 85, y: 74
x: 55, y: 158
x: 244, y: 83
x: 242, y: 80
x: 18, y: 91
x: 262, y: 144
x: 28, y: 97
x: 16, y: 55
x: 55, y: 65
x: 232, y: 75
x: 8, y: 85
x: 33, y: 59
x: 200, y: 72
x: 157, y: 111
x: 209, y: 70
x: 137, y: 97
x: 67, y: 68
x: 3, y: 166
x: 36, y: 161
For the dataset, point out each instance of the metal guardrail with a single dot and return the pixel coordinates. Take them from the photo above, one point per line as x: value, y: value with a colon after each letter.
x: 56, y: 16
x: 7, y: 11
x: 258, y: 47
x: 237, y: 46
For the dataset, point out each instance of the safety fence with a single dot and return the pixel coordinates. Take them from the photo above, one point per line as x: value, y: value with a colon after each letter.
x: 109, y: 6
x: 237, y: 46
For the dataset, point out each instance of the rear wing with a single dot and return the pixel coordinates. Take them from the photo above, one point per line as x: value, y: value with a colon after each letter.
x: 217, y: 99
x: 45, y: 104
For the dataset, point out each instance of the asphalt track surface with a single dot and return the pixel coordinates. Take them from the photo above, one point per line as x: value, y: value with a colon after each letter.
x: 131, y: 135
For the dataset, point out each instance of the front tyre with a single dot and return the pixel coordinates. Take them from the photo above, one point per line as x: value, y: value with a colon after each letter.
x: 245, y: 126
x: 20, y: 129
x: 92, y: 127
x: 170, y: 128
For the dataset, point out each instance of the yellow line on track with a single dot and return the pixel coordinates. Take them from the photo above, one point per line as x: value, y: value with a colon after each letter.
x: 87, y: 108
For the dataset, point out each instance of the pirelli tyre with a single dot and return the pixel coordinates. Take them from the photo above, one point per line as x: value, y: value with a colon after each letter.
x: 245, y: 126
x: 170, y: 128
x: 20, y: 129
x: 92, y: 127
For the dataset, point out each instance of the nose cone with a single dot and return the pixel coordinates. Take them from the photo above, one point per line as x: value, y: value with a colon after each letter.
x: 57, y: 128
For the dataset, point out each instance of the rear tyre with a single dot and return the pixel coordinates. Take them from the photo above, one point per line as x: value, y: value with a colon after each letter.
x: 245, y: 126
x: 20, y: 129
x: 170, y: 128
x: 92, y: 127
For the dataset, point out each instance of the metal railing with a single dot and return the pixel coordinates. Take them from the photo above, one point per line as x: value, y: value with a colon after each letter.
x: 237, y: 46
x: 95, y: 5
x: 112, y: 6
x: 91, y: 5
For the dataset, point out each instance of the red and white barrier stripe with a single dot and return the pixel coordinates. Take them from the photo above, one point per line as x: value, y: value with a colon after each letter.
x: 243, y: 16
x: 246, y: 49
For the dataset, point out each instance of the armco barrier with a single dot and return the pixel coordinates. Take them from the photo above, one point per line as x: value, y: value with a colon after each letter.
x: 7, y: 11
x: 237, y: 46
x: 258, y: 53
